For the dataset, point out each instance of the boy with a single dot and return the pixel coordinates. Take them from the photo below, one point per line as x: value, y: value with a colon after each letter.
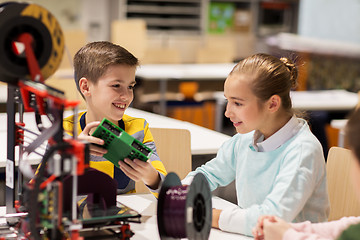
x: 105, y: 77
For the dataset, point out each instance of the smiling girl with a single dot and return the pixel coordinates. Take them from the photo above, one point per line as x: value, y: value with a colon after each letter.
x: 276, y: 162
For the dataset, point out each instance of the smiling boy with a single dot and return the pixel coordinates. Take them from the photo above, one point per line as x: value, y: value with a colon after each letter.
x: 105, y: 77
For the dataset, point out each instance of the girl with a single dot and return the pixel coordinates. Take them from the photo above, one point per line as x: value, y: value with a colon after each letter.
x: 276, y: 161
x: 271, y: 228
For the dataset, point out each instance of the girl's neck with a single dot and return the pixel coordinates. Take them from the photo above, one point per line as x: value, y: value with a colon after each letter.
x: 275, y: 123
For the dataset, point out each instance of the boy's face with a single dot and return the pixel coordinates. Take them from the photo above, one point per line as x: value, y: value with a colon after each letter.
x: 112, y: 94
x: 242, y: 107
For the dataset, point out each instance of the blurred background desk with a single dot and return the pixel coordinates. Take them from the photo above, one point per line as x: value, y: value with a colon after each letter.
x: 324, y: 100
x: 329, y: 100
x: 183, y: 72
x: 322, y: 107
x: 203, y: 140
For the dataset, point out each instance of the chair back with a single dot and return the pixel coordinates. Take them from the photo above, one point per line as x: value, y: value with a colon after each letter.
x: 343, y: 200
x: 174, y: 149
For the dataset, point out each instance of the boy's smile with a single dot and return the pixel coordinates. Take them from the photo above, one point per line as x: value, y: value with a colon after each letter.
x: 122, y: 106
x: 111, y: 95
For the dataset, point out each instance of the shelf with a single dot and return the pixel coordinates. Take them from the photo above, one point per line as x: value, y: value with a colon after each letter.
x: 168, y: 15
x: 163, y: 10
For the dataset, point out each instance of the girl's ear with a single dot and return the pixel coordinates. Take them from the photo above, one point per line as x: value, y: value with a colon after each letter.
x: 274, y: 103
x: 84, y: 86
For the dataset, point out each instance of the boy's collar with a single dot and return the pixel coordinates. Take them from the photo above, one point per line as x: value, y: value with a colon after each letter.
x: 82, y: 122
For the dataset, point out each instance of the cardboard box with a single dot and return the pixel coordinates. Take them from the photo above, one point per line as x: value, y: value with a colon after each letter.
x: 242, y: 20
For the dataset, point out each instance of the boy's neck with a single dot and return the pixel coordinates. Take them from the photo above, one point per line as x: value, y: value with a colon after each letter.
x: 91, y: 117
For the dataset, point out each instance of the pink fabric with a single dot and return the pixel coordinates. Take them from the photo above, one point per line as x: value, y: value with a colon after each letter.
x: 319, y: 231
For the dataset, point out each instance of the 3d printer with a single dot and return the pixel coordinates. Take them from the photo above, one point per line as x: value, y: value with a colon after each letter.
x: 44, y: 206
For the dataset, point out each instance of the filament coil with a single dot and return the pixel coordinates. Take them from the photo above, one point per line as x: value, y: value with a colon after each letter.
x: 184, y: 211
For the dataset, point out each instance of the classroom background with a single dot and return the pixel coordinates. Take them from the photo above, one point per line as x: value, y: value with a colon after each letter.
x: 183, y: 44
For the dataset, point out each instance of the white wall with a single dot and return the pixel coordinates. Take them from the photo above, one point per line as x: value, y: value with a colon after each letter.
x: 92, y: 16
x: 67, y: 12
x: 96, y: 19
x: 330, y: 19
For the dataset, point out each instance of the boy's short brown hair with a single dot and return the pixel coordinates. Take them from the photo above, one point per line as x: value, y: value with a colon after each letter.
x: 92, y: 60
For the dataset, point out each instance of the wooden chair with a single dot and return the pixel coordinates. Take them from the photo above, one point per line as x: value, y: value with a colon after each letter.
x: 343, y: 200
x: 174, y: 149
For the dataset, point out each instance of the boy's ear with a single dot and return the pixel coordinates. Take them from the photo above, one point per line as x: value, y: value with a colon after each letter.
x: 274, y: 103
x: 84, y: 86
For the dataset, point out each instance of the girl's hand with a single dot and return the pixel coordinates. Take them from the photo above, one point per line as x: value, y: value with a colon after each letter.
x: 274, y: 230
x: 139, y: 170
x: 215, y: 217
x: 258, y: 230
x: 85, y: 136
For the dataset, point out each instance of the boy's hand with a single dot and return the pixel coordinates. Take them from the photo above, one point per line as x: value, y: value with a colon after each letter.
x: 139, y: 170
x: 85, y: 136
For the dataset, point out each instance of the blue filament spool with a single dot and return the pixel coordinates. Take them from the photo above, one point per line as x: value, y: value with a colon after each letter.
x: 184, y: 211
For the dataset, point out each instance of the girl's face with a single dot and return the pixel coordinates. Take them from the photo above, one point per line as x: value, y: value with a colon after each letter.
x: 243, y: 108
x: 112, y: 94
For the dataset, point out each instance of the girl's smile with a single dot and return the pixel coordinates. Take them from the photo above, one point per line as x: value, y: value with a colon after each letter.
x: 236, y: 124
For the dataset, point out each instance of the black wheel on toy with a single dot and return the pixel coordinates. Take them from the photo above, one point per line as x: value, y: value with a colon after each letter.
x: 48, y: 41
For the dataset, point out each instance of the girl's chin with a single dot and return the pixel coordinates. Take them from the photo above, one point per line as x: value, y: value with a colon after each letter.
x: 242, y: 130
